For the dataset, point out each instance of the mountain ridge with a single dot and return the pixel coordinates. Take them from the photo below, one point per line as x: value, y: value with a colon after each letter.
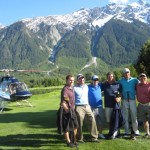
x: 81, y: 36
x: 86, y: 15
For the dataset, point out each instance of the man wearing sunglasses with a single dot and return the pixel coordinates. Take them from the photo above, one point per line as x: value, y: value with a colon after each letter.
x: 95, y: 101
x: 83, y: 110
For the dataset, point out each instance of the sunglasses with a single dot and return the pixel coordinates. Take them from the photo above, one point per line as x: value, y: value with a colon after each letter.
x: 96, y: 80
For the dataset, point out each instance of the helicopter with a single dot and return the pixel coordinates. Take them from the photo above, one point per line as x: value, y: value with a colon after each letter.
x: 11, y: 89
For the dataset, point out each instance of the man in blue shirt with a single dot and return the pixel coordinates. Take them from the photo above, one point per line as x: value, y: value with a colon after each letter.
x: 128, y: 102
x: 95, y: 101
x: 83, y: 109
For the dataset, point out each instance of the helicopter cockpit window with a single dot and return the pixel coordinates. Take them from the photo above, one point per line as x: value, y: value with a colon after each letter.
x: 21, y: 87
x: 12, y: 88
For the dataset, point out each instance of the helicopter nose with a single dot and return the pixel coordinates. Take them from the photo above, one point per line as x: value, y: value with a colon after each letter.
x: 21, y: 95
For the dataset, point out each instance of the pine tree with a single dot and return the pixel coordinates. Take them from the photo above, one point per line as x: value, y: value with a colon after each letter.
x: 143, y: 63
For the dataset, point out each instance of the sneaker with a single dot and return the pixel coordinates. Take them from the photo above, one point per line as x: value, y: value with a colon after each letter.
x: 147, y: 136
x: 137, y: 135
x: 95, y: 140
x: 126, y: 135
x: 70, y: 144
x: 110, y: 137
x: 76, y: 143
x: 80, y: 141
x: 116, y: 133
x: 133, y: 137
x: 101, y: 136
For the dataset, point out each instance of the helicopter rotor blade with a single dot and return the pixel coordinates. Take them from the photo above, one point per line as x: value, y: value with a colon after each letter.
x: 6, y: 70
x: 12, y: 70
x: 17, y: 70
x: 30, y: 71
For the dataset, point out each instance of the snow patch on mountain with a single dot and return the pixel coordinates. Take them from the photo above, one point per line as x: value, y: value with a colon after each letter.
x: 93, y: 61
x: 68, y: 20
x: 96, y: 17
x: 102, y: 21
x: 1, y: 26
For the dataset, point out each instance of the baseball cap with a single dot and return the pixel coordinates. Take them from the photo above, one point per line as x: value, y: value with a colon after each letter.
x: 95, y: 77
x: 126, y: 70
x: 142, y: 75
x: 79, y: 76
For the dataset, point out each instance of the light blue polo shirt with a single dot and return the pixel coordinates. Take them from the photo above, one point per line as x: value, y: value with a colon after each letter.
x: 81, y: 94
x: 128, y: 87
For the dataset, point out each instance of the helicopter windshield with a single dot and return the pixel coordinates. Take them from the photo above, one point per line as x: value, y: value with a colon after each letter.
x: 17, y: 87
x: 4, y: 88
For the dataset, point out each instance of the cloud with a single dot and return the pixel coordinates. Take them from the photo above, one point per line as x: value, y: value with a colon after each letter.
x: 118, y: 1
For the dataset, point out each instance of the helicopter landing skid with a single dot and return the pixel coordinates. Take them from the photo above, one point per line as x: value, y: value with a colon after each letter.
x: 3, y: 105
x: 20, y: 104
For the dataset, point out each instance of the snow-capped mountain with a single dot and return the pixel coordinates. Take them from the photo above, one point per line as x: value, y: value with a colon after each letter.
x: 110, y: 35
x: 1, y: 26
x: 95, y: 17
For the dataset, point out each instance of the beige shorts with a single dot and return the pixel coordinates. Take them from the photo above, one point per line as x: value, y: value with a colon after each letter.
x: 108, y: 112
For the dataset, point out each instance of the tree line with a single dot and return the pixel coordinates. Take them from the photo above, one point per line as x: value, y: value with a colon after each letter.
x: 142, y: 65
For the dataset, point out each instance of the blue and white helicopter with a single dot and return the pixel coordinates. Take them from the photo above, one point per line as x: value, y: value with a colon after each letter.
x: 12, y: 90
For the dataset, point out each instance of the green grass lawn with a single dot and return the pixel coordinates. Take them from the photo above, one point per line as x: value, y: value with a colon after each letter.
x: 24, y: 127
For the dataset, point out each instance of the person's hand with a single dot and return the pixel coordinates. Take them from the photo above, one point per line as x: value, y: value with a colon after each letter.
x: 65, y: 107
x: 118, y: 99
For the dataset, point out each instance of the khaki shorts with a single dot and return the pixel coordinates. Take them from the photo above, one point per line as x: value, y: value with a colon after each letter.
x: 108, y: 112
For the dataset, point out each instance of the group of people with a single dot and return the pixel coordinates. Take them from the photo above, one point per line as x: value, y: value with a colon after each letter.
x: 82, y: 103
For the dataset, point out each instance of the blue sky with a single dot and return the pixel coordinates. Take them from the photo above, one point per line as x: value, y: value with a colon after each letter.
x: 14, y: 10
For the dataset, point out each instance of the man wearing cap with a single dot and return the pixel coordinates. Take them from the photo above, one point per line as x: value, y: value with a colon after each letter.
x: 143, y: 97
x: 95, y: 101
x: 83, y: 109
x: 128, y: 84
